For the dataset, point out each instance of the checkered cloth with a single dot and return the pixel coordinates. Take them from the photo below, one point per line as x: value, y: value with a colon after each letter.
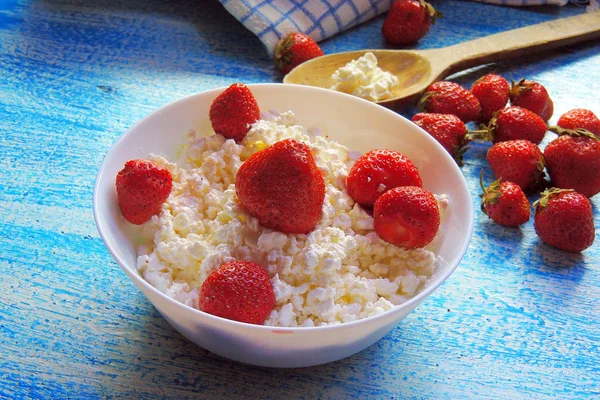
x: 270, y: 20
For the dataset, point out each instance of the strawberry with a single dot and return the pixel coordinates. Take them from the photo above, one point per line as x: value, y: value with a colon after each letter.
x: 408, y: 21
x: 282, y: 187
x: 492, y: 92
x: 233, y: 111
x: 564, y: 219
x: 580, y: 118
x: 293, y: 50
x: 517, y: 161
x: 505, y: 203
x: 512, y: 123
x: 142, y: 188
x: 407, y: 216
x: 450, y: 98
x: 532, y: 96
x: 447, y: 129
x: 573, y: 161
x: 240, y: 291
x: 378, y: 171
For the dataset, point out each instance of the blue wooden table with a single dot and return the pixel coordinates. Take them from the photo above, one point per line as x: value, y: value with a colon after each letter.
x: 517, y: 319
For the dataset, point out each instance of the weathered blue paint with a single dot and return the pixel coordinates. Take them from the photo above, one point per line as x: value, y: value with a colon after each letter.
x: 517, y: 319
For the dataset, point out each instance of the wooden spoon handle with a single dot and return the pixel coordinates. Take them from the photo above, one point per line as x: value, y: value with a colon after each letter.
x: 518, y: 42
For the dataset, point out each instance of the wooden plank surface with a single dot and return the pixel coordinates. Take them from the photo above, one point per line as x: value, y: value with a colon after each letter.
x: 516, y: 320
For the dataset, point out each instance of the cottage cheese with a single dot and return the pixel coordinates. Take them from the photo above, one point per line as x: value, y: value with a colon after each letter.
x: 363, y: 78
x: 340, y: 272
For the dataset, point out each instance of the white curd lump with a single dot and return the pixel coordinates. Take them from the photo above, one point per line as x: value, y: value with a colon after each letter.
x: 363, y: 78
x: 340, y: 272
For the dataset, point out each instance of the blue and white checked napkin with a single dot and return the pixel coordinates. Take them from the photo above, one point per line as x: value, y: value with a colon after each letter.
x: 271, y: 20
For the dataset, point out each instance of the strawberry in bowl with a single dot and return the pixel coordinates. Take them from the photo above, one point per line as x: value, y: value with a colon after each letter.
x: 277, y: 197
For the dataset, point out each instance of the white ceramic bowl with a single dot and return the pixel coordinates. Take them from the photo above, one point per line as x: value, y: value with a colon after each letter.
x: 356, y: 123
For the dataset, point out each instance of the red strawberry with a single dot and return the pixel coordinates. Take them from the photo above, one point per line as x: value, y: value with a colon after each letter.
x: 532, y: 96
x: 492, y: 92
x: 377, y: 172
x: 233, y: 111
x: 512, y: 123
x: 142, y: 188
x: 564, y: 219
x: 447, y: 129
x: 238, y: 290
x: 517, y: 161
x: 282, y: 187
x: 580, y: 118
x: 505, y: 203
x: 573, y: 161
x: 450, y: 98
x: 407, y: 216
x: 293, y: 50
x: 408, y: 21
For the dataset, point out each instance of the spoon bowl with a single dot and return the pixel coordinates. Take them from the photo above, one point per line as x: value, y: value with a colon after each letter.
x: 417, y: 69
x: 412, y: 68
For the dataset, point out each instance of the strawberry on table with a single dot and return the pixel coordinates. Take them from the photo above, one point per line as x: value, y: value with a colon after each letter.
x: 408, y: 21
x: 240, y: 291
x: 378, y: 171
x: 407, y: 216
x: 233, y: 111
x: 563, y: 219
x: 517, y: 161
x: 293, y: 50
x: 532, y: 96
x: 505, y: 203
x: 447, y: 129
x: 512, y: 123
x: 492, y: 92
x: 580, y: 118
x: 573, y: 161
x: 142, y: 188
x: 282, y: 187
x: 446, y: 97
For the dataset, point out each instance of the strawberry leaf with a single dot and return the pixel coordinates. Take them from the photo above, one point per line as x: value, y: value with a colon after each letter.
x: 520, y: 87
x: 545, y: 197
x: 433, y: 13
x: 491, y: 194
x: 577, y: 132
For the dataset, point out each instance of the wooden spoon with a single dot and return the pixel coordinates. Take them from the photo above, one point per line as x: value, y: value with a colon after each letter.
x: 417, y: 69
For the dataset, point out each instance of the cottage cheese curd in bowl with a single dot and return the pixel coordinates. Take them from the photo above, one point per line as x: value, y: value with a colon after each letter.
x: 338, y: 289
x: 340, y: 272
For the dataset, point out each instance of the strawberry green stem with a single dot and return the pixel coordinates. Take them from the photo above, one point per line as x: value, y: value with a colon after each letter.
x: 491, y: 194
x: 577, y: 132
x: 546, y: 195
x: 484, y: 135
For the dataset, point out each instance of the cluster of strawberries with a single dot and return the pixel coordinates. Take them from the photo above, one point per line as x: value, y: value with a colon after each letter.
x: 284, y: 189
x: 387, y: 183
x: 237, y: 290
x: 563, y: 215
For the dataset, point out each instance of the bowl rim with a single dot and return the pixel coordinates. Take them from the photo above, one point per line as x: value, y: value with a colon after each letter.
x: 411, y: 303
